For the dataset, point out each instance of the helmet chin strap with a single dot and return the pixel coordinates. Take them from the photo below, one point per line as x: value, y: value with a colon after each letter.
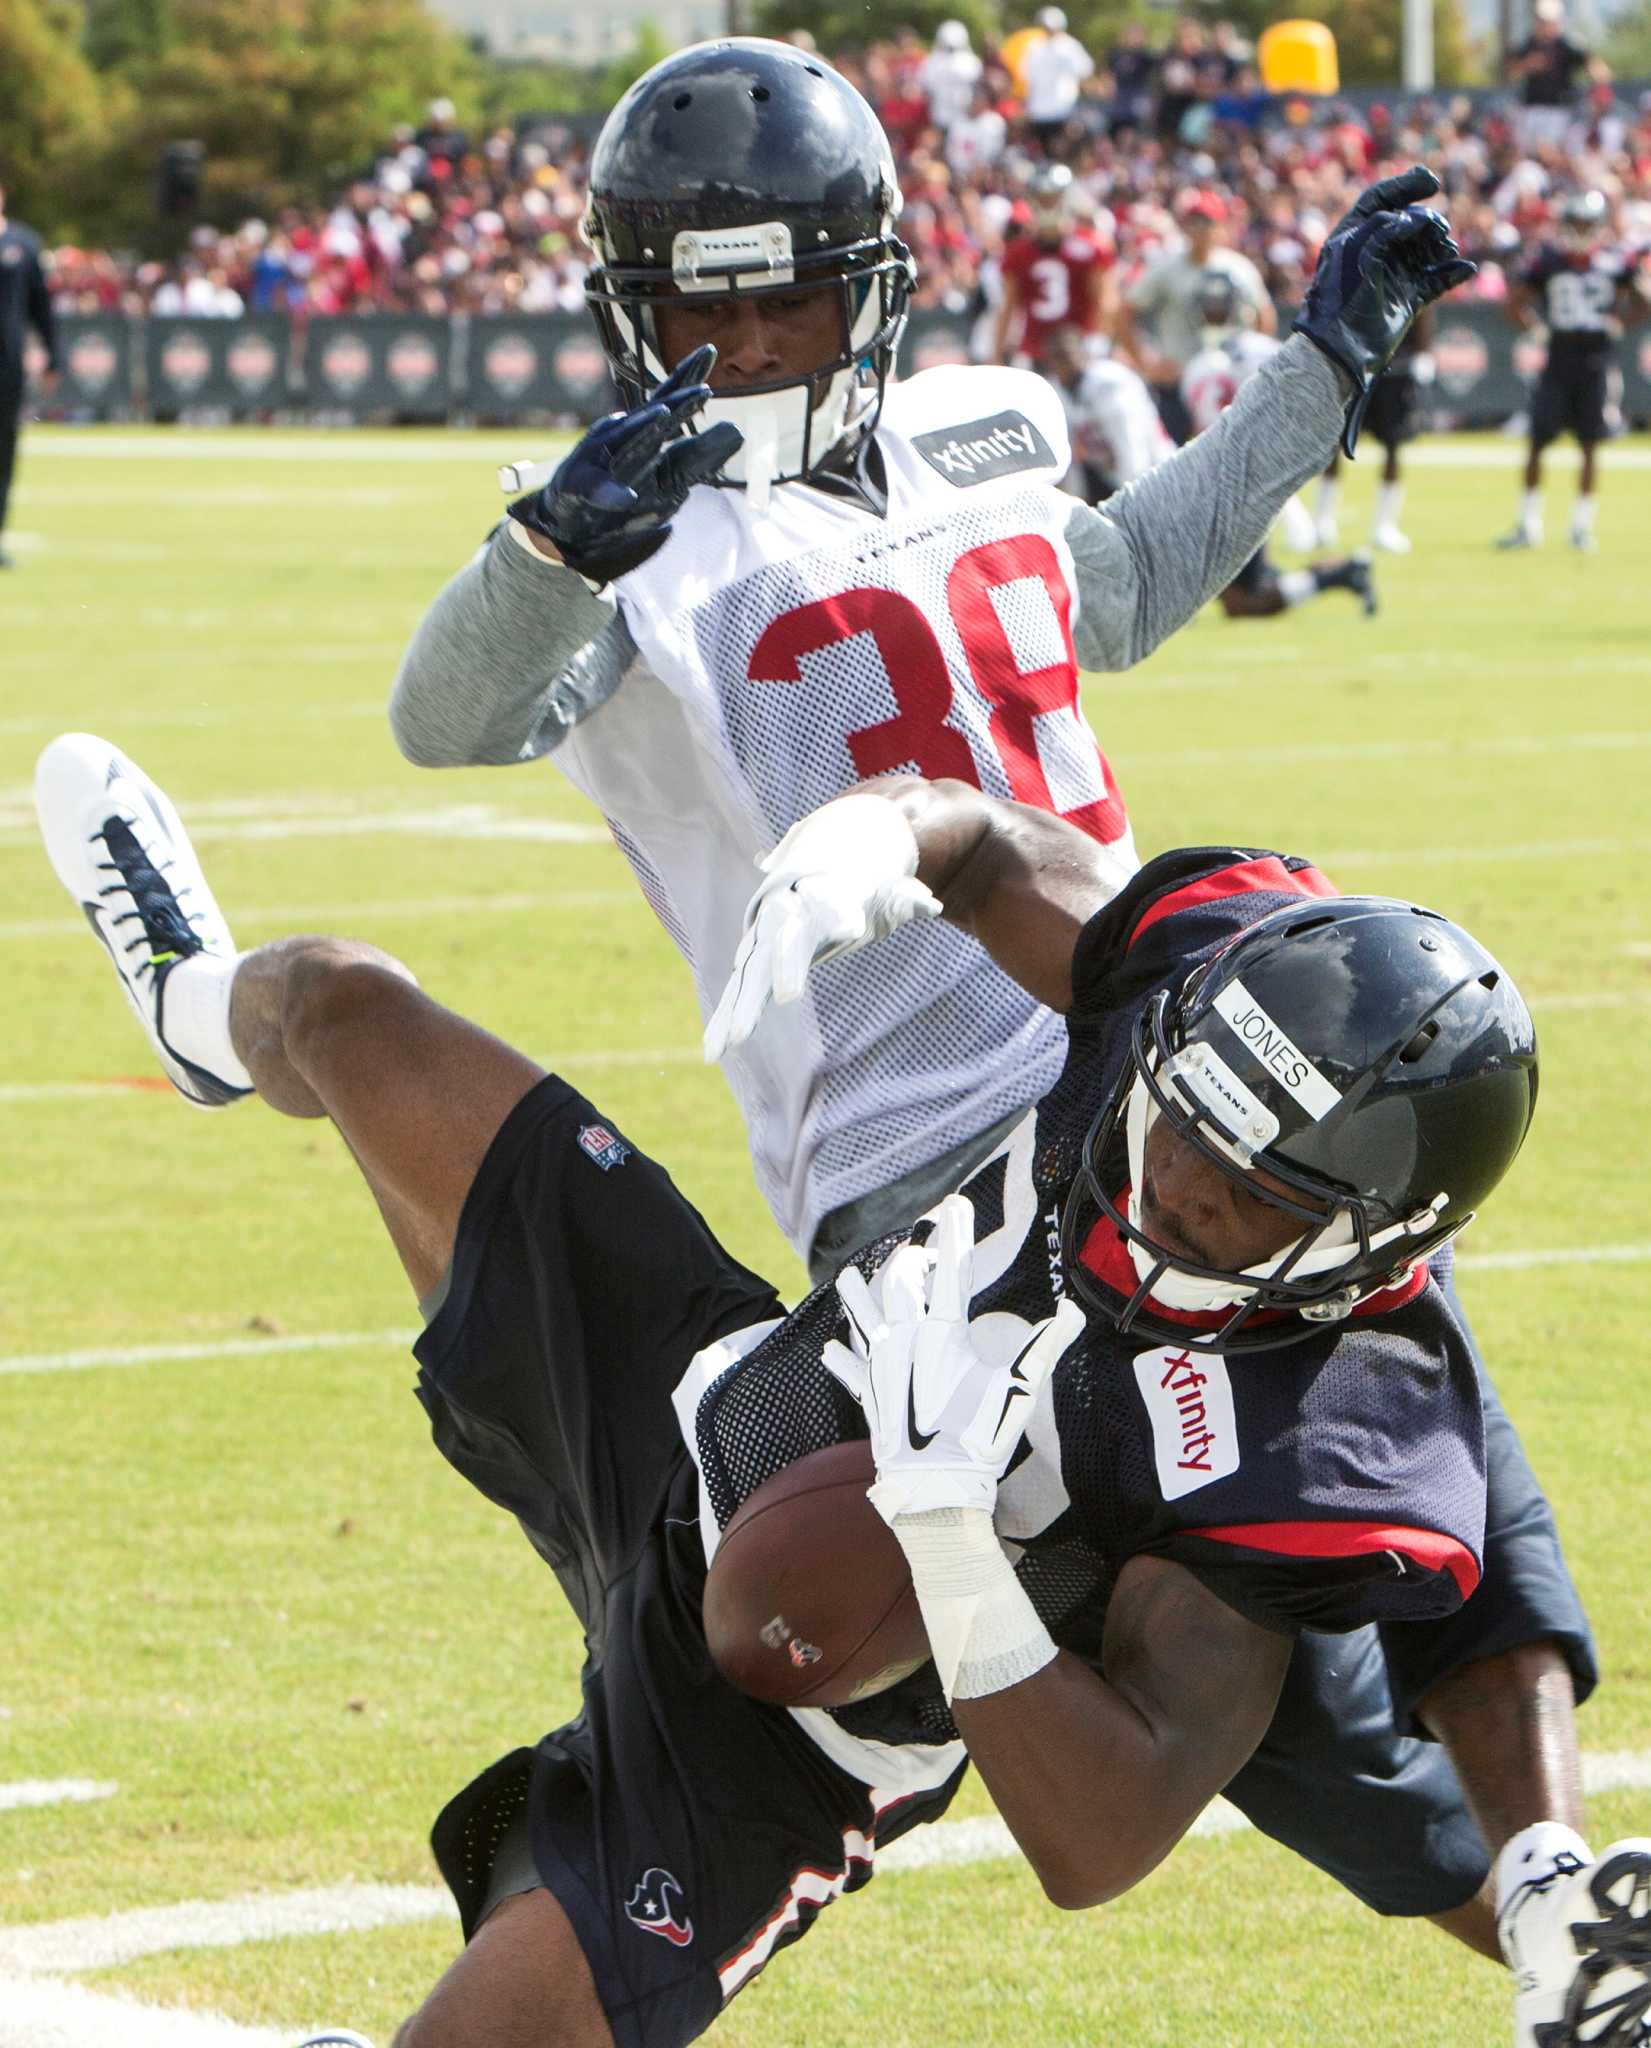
x: 1326, y: 1249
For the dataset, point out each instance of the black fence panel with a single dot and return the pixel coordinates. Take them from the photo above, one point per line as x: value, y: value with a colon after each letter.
x: 387, y: 364
x: 239, y: 366
x: 533, y: 364
x: 96, y: 351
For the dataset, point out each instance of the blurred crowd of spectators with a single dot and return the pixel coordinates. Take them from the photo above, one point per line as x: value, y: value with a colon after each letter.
x: 445, y: 221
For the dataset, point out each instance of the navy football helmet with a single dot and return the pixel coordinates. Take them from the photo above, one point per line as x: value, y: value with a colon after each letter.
x: 1371, y: 1058
x: 752, y: 168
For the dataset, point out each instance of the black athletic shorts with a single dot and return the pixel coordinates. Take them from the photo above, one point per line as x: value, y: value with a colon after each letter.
x: 687, y: 1831
x: 1257, y: 576
x: 1576, y: 395
x: 1394, y: 413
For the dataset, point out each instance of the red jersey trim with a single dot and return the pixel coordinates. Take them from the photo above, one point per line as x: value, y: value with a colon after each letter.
x: 1427, y: 1547
x: 1268, y: 876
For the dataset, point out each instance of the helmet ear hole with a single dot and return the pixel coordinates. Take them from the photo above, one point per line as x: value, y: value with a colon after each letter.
x: 1419, y: 1044
x: 1489, y: 980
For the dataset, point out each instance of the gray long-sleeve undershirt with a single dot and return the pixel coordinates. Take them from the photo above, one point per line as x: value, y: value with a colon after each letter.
x: 516, y: 649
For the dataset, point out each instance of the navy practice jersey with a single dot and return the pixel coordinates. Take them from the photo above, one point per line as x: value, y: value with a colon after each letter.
x: 1337, y: 1482
x: 1578, y: 292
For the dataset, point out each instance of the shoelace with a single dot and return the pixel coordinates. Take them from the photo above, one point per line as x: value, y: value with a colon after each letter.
x: 168, y: 929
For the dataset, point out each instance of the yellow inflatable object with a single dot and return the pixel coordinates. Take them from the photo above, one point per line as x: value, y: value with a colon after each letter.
x: 1298, y: 56
x: 1013, y: 51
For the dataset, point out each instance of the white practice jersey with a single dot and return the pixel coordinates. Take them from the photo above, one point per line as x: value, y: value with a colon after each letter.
x: 1114, y: 424
x: 761, y: 663
x: 783, y: 656
x: 1215, y: 376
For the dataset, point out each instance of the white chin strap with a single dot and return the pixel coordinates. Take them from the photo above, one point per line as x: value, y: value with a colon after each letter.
x: 1327, y: 1250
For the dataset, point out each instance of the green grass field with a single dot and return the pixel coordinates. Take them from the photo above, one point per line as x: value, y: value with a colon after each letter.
x: 245, y: 1591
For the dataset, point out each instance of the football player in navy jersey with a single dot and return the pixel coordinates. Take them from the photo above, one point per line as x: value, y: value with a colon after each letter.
x: 1584, y: 289
x: 1174, y: 1385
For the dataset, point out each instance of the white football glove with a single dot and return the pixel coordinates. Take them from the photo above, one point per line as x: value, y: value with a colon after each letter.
x: 1577, y: 1936
x: 944, y: 1423
x: 840, y: 878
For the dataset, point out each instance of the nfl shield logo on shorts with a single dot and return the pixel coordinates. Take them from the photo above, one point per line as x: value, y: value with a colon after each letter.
x: 597, y: 1142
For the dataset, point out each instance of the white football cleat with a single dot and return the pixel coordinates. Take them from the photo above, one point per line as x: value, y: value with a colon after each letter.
x: 1390, y: 540
x: 1577, y: 1936
x: 118, y: 847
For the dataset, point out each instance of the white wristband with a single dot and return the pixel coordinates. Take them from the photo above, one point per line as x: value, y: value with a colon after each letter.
x: 984, y: 1634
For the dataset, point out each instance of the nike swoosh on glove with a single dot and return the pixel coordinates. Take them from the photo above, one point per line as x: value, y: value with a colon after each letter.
x: 610, y: 503
x: 944, y: 1421
x: 1380, y: 265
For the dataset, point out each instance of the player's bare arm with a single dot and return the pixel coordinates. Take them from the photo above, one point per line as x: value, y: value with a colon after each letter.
x: 1098, y: 1779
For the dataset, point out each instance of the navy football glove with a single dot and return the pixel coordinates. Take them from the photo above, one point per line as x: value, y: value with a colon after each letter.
x: 1380, y: 265
x: 610, y: 503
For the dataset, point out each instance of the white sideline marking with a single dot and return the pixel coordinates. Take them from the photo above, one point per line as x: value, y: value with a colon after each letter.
x: 247, y: 1347
x: 100, y: 1941
x: 1390, y: 750
x: 47, y: 2014
x: 193, y: 444
x: 626, y: 1056
x: 53, y: 1792
x: 1577, y: 1255
x: 227, y: 1347
x: 449, y: 821
x: 1432, y: 856
x: 97, y: 1942
x: 306, y: 916
x: 262, y: 445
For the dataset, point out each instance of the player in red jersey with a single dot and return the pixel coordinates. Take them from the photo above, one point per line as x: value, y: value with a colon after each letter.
x: 1058, y: 277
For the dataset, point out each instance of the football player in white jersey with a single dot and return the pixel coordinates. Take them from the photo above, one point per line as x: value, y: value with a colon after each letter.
x: 1117, y: 434
x: 1232, y: 353
x: 779, y: 571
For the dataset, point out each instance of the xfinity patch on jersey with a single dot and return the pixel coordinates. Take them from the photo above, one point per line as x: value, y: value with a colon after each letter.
x: 985, y: 449
x: 1278, y: 1053
x: 1190, y: 1401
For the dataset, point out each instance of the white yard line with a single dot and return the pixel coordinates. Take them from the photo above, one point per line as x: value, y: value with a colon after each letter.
x: 223, y: 1347
x: 45, y: 2013
x: 449, y: 821
x: 53, y: 1792
x: 145, y: 1084
x: 250, y: 1347
x: 189, y: 444
x: 308, y: 916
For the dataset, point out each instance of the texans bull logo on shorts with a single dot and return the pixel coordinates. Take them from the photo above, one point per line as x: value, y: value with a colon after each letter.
x: 656, y: 1906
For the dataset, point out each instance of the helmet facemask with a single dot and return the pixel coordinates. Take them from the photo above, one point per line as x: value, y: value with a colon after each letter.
x: 1343, y: 1248
x: 791, y: 422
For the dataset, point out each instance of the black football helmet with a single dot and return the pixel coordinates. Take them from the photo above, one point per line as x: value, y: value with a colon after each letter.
x: 1371, y: 1057
x: 1220, y: 309
x: 751, y: 167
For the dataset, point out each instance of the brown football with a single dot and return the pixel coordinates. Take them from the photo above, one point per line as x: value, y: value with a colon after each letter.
x: 809, y: 1601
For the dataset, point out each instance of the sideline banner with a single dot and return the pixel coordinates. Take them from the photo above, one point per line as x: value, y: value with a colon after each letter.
x: 241, y: 366
x: 362, y: 363
x: 535, y: 363
x: 96, y: 354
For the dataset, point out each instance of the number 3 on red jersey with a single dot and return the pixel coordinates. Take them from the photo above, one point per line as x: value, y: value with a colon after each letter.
x: 915, y: 664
